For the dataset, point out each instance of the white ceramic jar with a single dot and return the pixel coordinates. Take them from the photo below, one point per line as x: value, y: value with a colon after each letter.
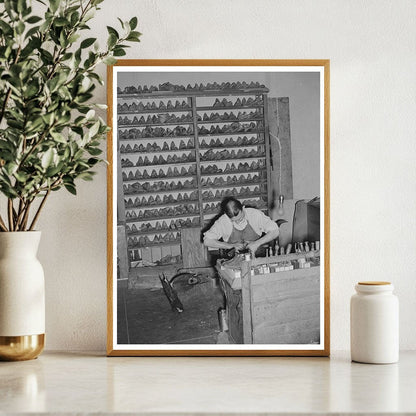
x: 374, y: 323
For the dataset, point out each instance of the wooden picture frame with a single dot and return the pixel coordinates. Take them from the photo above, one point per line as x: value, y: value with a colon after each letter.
x: 293, y: 99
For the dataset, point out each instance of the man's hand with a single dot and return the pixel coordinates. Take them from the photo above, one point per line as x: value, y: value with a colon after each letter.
x: 253, y: 246
x: 238, y: 246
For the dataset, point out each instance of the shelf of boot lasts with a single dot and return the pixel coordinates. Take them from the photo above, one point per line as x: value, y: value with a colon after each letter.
x: 141, y: 108
x: 156, y: 178
x: 161, y: 217
x: 251, y: 195
x: 231, y: 184
x: 162, y: 204
x: 144, y: 152
x: 152, y: 244
x: 193, y: 92
x: 257, y: 131
x: 158, y: 164
x: 124, y: 139
x: 233, y: 172
x: 229, y: 108
x: 225, y: 121
x: 158, y: 231
x: 159, y: 191
x: 232, y: 159
x: 155, y: 111
x: 230, y: 146
x: 176, y: 123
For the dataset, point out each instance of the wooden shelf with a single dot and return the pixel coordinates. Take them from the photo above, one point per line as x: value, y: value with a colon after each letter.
x: 188, y: 136
x: 163, y: 191
x: 254, y: 195
x: 230, y: 121
x: 231, y: 134
x: 158, y: 164
x: 156, y: 151
x: 155, y: 110
x: 160, y: 178
x: 232, y: 160
x: 176, y: 123
x: 154, y: 231
x: 164, y: 204
x: 163, y: 217
x: 239, y: 107
x: 229, y: 185
x: 231, y: 146
x: 160, y: 243
x: 233, y: 172
x: 199, y: 93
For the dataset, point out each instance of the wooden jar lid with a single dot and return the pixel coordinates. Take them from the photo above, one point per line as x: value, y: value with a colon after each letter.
x: 374, y: 283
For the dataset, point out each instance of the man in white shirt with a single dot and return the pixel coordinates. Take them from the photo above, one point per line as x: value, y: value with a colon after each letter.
x: 241, y: 228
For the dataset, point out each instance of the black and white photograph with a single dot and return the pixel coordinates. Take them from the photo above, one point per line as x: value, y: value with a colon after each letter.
x: 219, y: 209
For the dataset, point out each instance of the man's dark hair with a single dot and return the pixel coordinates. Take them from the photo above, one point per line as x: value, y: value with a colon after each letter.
x: 231, y: 207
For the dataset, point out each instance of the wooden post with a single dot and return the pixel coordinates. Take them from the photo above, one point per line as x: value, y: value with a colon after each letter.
x: 279, y: 126
x: 123, y: 261
x: 246, y: 299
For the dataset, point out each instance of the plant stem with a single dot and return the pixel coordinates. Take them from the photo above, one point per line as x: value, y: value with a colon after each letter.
x: 39, y: 209
x: 21, y: 212
x: 2, y: 224
x: 17, y: 217
x: 10, y: 213
x: 26, y: 215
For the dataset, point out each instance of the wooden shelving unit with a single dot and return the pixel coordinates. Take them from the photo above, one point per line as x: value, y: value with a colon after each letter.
x: 199, y: 144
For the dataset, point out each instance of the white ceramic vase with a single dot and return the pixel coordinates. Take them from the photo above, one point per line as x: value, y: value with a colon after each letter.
x: 22, y: 296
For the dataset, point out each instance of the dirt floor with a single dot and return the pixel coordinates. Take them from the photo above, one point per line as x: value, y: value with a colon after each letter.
x: 145, y: 315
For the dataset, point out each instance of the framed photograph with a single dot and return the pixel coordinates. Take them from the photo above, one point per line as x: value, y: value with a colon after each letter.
x: 218, y: 208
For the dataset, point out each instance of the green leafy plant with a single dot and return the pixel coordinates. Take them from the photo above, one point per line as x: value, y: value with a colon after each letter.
x: 50, y: 134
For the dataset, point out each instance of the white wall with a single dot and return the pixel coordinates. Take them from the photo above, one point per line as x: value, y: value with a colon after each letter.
x: 373, y: 176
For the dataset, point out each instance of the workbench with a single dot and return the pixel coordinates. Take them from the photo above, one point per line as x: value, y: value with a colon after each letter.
x: 277, y: 307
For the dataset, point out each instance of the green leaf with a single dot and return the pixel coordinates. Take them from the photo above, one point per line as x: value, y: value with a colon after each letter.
x: 21, y: 177
x: 119, y: 52
x: 54, y: 4
x: 70, y: 188
x: 33, y: 19
x: 110, y: 60
x: 74, y: 18
x: 86, y: 43
x: 10, y: 168
x: 61, y: 21
x: 111, y: 30
x: 133, y: 38
x: 47, y: 158
x: 7, y: 29
x: 20, y: 27
x: 94, y: 129
x: 94, y: 151
x: 60, y: 138
x: 73, y: 38
x: 86, y: 176
x: 90, y: 115
x: 112, y: 41
x: 133, y: 23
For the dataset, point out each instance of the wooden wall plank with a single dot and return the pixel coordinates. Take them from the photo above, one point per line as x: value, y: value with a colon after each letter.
x: 193, y: 250
x: 279, y: 126
x: 123, y: 260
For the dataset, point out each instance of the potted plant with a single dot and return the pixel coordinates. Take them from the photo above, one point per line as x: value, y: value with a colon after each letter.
x: 50, y: 135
